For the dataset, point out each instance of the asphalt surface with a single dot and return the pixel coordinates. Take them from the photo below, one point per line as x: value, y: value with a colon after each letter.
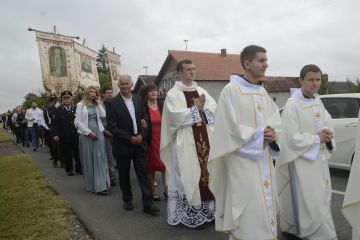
x: 105, y: 218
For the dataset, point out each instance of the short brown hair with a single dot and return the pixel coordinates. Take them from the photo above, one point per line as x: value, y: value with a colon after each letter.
x: 309, y: 68
x: 249, y: 53
x: 179, y: 66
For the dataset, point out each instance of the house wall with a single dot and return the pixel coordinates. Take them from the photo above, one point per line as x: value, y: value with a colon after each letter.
x: 279, y: 98
x: 213, y: 87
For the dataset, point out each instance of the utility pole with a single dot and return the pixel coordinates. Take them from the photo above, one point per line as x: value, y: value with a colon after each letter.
x: 146, y: 67
x: 185, y: 40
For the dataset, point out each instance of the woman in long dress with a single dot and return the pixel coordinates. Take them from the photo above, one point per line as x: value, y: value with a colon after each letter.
x: 155, y: 164
x: 92, y: 143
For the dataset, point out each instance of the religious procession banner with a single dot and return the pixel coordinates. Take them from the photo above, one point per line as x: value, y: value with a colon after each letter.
x: 65, y: 64
x: 114, y: 65
x: 86, y: 71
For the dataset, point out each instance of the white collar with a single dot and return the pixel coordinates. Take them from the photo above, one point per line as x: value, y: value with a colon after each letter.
x: 307, y: 101
x: 246, y: 86
x: 180, y: 86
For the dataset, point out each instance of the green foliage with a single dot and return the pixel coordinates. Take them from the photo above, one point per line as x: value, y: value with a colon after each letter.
x: 78, y: 95
x: 102, y: 63
x: 40, y: 98
x: 351, y: 83
x: 326, y: 87
x: 105, y: 81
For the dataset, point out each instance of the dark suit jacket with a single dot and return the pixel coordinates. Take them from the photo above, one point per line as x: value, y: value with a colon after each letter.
x: 149, y: 135
x: 120, y: 124
x: 63, y: 125
x: 49, y: 113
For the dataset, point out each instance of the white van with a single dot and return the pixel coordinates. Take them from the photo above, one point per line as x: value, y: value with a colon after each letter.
x: 344, y: 109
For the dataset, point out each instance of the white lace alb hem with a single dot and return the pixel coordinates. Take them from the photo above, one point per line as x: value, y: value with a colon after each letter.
x: 180, y: 211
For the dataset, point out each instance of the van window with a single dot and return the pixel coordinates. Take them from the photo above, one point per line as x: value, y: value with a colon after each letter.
x: 342, y: 107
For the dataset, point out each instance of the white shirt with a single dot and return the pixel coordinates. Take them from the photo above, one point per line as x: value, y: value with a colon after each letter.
x: 36, y: 115
x: 130, y: 106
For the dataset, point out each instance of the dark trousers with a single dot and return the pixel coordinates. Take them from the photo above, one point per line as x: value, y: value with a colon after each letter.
x: 139, y: 158
x: 18, y: 134
x: 48, y: 142
x: 67, y: 152
x: 35, y: 136
x: 23, y: 135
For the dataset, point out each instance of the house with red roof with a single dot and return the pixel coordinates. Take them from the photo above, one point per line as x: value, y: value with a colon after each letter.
x: 213, y: 71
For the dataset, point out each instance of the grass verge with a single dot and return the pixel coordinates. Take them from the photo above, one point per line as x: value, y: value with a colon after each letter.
x: 4, y: 136
x: 29, y: 208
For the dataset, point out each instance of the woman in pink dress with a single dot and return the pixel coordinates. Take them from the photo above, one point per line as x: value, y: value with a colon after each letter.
x: 155, y: 164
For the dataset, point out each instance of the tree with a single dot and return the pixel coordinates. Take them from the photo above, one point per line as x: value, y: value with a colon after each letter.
x: 105, y: 80
x: 29, y: 98
x: 326, y: 87
x: 102, y: 63
x: 40, y: 98
x: 353, y: 85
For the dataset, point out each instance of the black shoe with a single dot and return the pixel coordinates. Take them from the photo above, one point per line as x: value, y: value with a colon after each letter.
x: 27, y: 145
x: 128, y: 206
x: 113, y: 182
x: 51, y: 158
x: 103, y: 193
x: 152, y: 210
x: 34, y: 149
x: 70, y: 173
x: 78, y: 172
x: 54, y: 163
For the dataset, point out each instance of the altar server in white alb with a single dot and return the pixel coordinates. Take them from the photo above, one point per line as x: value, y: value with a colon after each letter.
x: 187, y: 125
x: 240, y: 162
x: 303, y: 176
x: 351, y: 205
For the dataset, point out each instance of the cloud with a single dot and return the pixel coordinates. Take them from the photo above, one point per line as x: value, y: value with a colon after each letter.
x: 295, y: 33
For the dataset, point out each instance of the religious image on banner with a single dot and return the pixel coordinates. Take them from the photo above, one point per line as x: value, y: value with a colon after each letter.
x: 57, y: 62
x: 57, y: 59
x: 114, y: 65
x: 66, y: 64
x: 85, y: 59
x: 85, y: 64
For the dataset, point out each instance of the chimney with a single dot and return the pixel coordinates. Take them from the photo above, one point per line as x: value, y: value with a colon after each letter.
x: 223, y: 52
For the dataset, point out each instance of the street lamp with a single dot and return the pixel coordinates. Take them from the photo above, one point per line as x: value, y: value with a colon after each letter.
x: 146, y: 67
x: 185, y: 40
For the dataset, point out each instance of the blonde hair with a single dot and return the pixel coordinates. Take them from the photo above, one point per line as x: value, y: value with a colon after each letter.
x: 86, y: 98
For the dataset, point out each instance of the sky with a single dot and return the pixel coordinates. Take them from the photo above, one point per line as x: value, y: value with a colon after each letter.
x: 295, y: 33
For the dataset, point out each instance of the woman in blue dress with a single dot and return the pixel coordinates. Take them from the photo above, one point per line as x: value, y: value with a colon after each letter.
x: 92, y: 143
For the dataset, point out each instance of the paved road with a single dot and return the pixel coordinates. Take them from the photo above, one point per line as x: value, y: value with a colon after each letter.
x: 105, y: 218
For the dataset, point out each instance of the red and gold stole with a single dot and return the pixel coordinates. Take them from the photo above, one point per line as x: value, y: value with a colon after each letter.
x: 202, y: 147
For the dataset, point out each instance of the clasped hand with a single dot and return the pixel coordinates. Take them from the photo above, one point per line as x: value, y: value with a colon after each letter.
x: 136, y: 140
x: 325, y: 135
x: 200, y: 102
x: 269, y: 135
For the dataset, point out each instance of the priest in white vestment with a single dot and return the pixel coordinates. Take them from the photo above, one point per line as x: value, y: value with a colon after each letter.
x: 241, y: 156
x: 351, y: 204
x: 303, y: 177
x: 187, y: 124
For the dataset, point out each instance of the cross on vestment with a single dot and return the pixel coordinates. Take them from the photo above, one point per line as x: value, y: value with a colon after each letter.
x: 266, y: 184
x: 259, y: 107
x: 317, y: 116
